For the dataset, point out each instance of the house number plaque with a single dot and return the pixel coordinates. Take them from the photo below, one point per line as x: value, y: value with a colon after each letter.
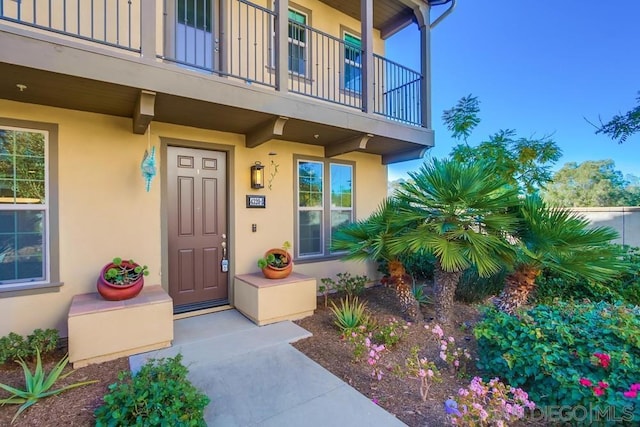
x: 256, y: 201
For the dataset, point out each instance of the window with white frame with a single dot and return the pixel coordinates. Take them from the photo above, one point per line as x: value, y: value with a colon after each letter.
x: 24, y: 206
x: 297, y: 42
x: 324, y: 202
x: 352, y: 63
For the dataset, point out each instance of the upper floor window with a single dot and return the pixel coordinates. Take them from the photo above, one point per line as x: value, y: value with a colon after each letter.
x: 297, y: 42
x: 352, y: 63
x: 24, y: 206
x: 324, y: 202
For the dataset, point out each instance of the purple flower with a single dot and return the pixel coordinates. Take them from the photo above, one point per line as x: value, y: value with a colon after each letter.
x: 451, y: 407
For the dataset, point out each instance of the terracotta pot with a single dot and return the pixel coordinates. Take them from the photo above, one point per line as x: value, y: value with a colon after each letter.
x: 271, y: 272
x: 112, y: 292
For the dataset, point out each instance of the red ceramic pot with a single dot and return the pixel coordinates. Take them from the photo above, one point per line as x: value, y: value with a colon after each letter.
x: 112, y: 292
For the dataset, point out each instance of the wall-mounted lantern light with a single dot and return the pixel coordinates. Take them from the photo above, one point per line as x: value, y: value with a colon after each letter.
x: 257, y: 175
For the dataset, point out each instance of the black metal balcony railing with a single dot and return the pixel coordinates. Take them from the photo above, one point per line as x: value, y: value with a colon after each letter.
x: 320, y: 65
x: 397, y: 91
x: 109, y: 22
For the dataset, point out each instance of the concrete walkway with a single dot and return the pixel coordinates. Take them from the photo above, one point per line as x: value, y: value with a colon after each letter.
x: 255, y: 378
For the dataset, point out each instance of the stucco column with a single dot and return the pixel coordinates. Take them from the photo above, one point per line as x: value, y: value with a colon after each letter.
x: 366, y: 31
x: 148, y: 30
x: 282, y: 45
x: 424, y: 23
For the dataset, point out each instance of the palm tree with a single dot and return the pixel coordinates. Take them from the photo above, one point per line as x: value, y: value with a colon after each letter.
x: 456, y: 211
x: 561, y: 241
x: 459, y: 213
x: 369, y: 240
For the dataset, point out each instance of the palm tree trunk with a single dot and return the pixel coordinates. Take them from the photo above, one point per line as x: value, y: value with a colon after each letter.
x: 445, y: 283
x: 401, y: 281
x: 517, y: 288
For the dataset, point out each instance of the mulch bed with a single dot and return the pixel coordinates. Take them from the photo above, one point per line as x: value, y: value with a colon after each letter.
x: 70, y: 408
x: 398, y: 395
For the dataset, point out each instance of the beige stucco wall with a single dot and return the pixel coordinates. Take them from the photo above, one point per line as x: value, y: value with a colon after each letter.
x: 105, y: 212
x: 624, y: 219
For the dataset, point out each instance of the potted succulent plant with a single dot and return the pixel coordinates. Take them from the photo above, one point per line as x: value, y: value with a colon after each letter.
x: 121, y: 279
x: 277, y: 263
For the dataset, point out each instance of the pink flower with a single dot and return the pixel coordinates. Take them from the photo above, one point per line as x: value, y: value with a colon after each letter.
x: 374, y: 400
x: 451, y: 339
x: 630, y: 394
x: 603, y: 385
x: 422, y: 373
x: 635, y: 387
x: 429, y: 373
x: 443, y: 356
x: 604, y: 359
x: 585, y: 382
x: 598, y: 391
x: 438, y: 331
x: 456, y: 363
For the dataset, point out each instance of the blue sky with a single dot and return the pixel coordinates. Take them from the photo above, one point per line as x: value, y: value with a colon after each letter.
x: 539, y: 67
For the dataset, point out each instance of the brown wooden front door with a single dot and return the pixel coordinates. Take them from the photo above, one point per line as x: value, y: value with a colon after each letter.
x: 197, y: 227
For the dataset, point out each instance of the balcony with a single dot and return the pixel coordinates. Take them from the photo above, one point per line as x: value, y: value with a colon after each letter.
x: 226, y: 74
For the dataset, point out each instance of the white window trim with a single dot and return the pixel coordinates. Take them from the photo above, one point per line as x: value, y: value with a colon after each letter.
x: 51, y: 233
x: 307, y: 16
x: 326, y: 208
x: 352, y: 63
x: 44, y: 207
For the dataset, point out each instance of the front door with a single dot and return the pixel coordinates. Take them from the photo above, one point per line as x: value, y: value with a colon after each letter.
x: 197, y: 227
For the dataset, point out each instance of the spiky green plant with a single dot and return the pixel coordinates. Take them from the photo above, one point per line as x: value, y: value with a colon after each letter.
x: 350, y: 315
x: 561, y: 242
x: 37, y: 384
x: 417, y: 290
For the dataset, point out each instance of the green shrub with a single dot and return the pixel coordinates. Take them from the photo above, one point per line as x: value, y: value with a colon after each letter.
x: 159, y: 394
x: 419, y: 294
x: 419, y: 265
x: 15, y: 346
x: 554, y: 353
x: 473, y: 288
x: 350, y: 315
x: 389, y: 333
x: 346, y: 284
x: 625, y: 288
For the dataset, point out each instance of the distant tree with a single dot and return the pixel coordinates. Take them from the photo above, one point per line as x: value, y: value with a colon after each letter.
x: 463, y: 117
x: 591, y: 183
x: 622, y: 126
x: 393, y: 186
x: 523, y: 162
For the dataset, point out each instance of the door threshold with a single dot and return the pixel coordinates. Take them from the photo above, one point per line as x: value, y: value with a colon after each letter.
x: 201, y: 312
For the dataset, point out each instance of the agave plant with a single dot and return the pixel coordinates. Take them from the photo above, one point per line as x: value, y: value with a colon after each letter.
x: 37, y: 384
x: 350, y: 314
x: 560, y: 241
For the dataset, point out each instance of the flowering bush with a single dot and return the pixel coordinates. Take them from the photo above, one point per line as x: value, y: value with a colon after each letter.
x: 391, y: 333
x: 570, y: 354
x: 364, y: 346
x: 423, y: 370
x: 455, y: 357
x: 493, y: 403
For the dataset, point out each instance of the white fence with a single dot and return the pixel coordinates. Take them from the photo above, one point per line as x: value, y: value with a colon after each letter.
x: 625, y: 220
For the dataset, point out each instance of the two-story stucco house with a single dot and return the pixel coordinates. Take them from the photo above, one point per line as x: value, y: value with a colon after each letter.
x: 86, y: 87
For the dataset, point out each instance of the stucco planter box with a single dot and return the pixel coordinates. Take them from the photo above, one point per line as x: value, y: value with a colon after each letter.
x: 267, y: 301
x: 101, y: 330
